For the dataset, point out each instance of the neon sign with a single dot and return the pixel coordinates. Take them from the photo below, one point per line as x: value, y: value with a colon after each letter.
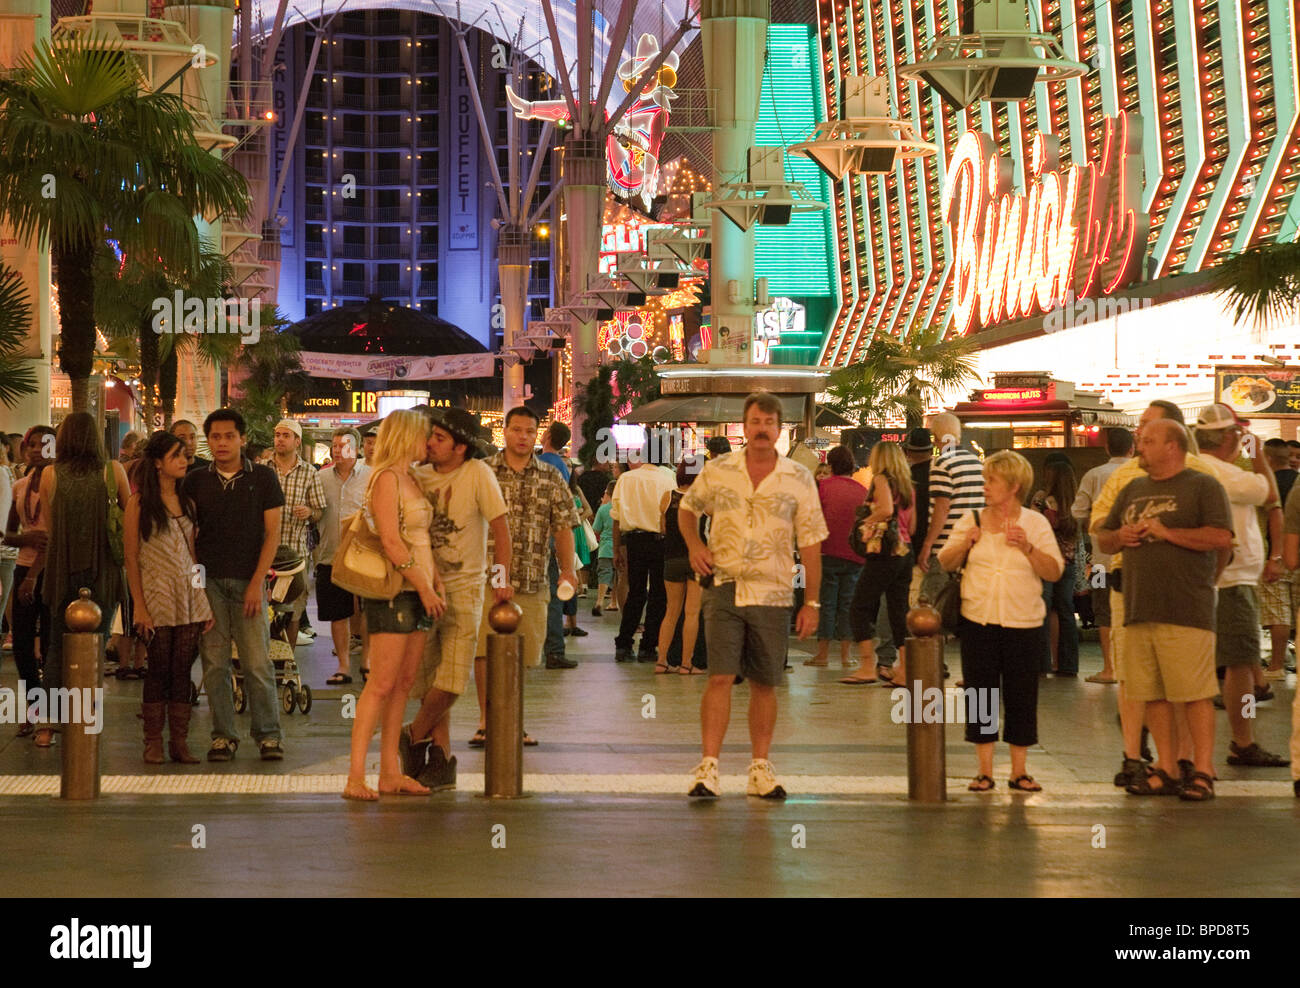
x: 632, y: 149
x: 785, y: 315
x: 1078, y: 230
x: 1027, y: 396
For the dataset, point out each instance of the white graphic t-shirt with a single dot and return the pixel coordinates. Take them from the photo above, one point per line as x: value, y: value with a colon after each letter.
x: 464, y: 501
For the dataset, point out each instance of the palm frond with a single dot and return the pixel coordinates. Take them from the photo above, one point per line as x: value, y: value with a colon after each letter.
x: 1262, y: 283
x: 17, y: 374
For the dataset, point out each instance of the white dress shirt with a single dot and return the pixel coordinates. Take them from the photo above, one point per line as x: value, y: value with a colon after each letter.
x: 635, y: 504
x: 342, y: 500
x: 999, y: 585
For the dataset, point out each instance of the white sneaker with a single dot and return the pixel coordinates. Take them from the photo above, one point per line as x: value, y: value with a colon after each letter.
x: 704, y: 780
x: 304, y: 638
x: 762, y: 781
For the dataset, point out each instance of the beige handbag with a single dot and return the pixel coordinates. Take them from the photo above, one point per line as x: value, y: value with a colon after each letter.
x: 361, y: 566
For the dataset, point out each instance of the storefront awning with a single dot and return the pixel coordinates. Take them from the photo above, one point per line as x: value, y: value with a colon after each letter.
x: 711, y: 409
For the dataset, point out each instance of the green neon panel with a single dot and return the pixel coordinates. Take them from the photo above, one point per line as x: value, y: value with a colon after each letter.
x: 795, y: 259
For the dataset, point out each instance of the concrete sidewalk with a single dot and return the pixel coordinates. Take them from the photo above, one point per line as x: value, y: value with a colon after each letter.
x: 609, y: 816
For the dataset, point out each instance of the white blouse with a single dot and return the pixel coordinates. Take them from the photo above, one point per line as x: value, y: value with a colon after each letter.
x: 999, y: 585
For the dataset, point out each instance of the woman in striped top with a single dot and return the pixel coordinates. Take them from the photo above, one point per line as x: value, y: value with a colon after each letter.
x: 171, y: 609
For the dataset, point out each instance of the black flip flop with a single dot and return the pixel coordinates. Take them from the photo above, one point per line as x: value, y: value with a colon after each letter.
x: 854, y: 681
x: 1018, y: 783
x: 338, y: 679
x: 975, y: 784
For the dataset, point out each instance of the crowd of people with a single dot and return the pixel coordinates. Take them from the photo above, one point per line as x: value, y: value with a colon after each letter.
x: 1179, y: 549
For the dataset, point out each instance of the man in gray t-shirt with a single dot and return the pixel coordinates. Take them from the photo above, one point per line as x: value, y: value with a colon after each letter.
x: 1164, y: 581
x: 1174, y: 526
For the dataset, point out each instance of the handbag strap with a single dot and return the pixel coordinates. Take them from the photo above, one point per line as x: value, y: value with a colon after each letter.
x: 961, y: 568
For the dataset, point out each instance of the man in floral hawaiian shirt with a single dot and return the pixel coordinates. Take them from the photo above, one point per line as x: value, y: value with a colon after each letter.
x: 762, y: 506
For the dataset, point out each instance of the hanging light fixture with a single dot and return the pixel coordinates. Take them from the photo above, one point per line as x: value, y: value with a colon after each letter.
x: 866, y: 138
x: 994, y: 57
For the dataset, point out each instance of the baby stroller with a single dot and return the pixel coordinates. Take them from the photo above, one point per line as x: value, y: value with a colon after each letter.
x: 286, y: 583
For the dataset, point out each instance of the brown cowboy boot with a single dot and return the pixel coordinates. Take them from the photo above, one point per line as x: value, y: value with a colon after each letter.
x: 179, y: 715
x: 154, y: 715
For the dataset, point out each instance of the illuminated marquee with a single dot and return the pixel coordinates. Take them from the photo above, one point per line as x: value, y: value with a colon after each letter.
x: 1079, y: 229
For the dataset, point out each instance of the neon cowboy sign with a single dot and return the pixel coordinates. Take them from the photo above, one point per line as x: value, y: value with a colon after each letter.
x: 1079, y: 229
x: 632, y: 150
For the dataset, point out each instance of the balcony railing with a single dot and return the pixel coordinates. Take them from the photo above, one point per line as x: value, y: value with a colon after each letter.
x: 351, y: 212
x: 427, y: 214
x: 352, y: 287
x: 314, y: 173
x: 427, y: 252
x: 428, y: 288
x: 352, y: 251
x: 390, y: 288
x: 388, y: 252
x: 390, y: 101
x: 391, y: 214
x: 314, y: 286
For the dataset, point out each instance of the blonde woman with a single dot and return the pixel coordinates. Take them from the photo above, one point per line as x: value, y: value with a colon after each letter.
x: 887, y: 535
x: 1008, y: 551
x: 400, y: 515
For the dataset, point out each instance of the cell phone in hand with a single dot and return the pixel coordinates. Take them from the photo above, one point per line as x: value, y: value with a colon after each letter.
x: 706, y: 581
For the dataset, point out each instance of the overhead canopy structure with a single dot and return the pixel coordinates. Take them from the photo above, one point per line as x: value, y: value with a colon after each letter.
x: 381, y: 327
x: 500, y: 18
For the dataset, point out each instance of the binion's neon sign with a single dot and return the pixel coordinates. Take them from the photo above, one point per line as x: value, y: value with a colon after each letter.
x: 1079, y: 229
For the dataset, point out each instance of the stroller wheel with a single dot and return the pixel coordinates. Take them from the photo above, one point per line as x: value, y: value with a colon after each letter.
x: 304, y: 699
x: 194, y: 695
x: 241, y: 701
x: 287, y: 698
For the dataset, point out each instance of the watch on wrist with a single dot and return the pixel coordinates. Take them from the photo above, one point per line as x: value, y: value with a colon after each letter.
x: 817, y: 604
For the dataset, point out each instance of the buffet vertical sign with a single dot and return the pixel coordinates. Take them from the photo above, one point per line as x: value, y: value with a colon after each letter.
x: 464, y: 143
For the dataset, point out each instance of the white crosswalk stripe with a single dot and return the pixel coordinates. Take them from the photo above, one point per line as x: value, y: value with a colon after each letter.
x: 646, y: 784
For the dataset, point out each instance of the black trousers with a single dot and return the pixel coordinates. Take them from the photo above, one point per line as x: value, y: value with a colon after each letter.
x: 890, y: 576
x: 30, y: 622
x: 645, y: 590
x: 1006, y: 660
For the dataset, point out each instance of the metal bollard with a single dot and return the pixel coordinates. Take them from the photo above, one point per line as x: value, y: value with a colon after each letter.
x: 503, y: 764
x: 926, y: 761
x: 82, y: 664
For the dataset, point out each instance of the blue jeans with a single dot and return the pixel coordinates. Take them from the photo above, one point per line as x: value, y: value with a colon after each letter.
x: 554, y: 614
x: 1059, y: 597
x: 252, y: 636
x: 839, y: 577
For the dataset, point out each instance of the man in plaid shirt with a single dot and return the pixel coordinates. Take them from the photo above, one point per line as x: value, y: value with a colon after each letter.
x: 304, y: 501
x: 539, y: 508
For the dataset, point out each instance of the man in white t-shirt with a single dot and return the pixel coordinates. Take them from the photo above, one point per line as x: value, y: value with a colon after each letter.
x: 466, y: 501
x: 1220, y: 435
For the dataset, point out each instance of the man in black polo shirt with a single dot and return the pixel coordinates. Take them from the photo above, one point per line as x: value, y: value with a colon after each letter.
x: 230, y: 495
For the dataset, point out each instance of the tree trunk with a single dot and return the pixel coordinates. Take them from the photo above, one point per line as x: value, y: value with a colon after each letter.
x: 167, y: 371
x: 148, y: 374
x: 75, y: 279
x: 915, y: 419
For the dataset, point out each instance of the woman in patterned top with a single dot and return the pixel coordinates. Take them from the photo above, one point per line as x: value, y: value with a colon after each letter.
x: 170, y: 608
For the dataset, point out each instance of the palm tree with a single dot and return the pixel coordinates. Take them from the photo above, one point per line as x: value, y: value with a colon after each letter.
x: 124, y: 309
x: 1263, y: 282
x: 896, y: 377
x: 85, y: 156
x: 273, y: 372
x: 635, y: 381
x: 17, y: 376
